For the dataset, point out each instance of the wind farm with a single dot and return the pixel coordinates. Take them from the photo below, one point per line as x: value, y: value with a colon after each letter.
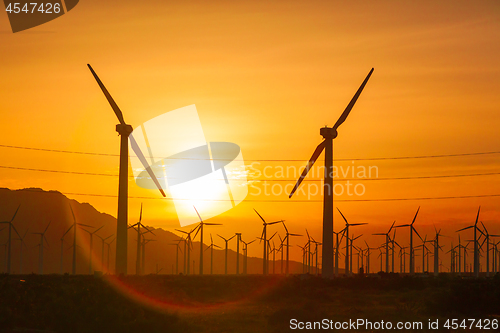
x: 162, y: 168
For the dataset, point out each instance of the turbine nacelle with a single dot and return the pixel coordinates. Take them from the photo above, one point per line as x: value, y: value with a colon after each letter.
x: 328, y: 132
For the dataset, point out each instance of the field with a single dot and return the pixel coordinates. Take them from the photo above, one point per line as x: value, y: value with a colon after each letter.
x: 166, y: 303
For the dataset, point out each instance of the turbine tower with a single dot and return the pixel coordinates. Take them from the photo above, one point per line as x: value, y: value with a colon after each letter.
x: 329, y: 134
x: 9, y: 242
x: 125, y: 132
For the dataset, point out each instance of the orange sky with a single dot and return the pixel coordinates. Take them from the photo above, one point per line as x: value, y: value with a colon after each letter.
x: 266, y: 76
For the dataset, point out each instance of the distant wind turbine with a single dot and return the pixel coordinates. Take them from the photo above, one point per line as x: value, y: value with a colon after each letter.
x: 347, y: 239
x: 91, y: 234
x: 263, y: 237
x: 42, y: 239
x: 200, y: 229
x: 412, y: 230
x: 226, y: 250
x: 9, y: 242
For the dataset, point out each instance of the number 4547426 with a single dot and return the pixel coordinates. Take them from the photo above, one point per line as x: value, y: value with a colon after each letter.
x: 485, y: 324
x: 34, y: 7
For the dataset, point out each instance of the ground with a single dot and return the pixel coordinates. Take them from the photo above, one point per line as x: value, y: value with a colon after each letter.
x: 254, y: 303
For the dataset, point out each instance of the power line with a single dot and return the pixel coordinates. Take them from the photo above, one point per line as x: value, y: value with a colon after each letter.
x: 271, y: 201
x: 267, y: 180
x: 267, y: 160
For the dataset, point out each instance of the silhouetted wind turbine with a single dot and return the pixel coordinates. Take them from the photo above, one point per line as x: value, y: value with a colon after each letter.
x: 225, y: 252
x: 42, y: 239
x: 263, y: 237
x: 74, y: 226
x: 139, y: 241
x: 109, y: 245
x: 21, y: 251
x: 200, y: 229
x: 9, y: 242
x: 476, y: 243
x: 412, y: 229
x: 287, y: 239
x: 177, y: 249
x: 347, y: 239
x: 91, y: 234
x: 143, y: 252
x: 337, y: 250
x: 245, y: 255
x: 103, y: 240
x: 125, y: 132
x: 187, y: 252
x: 211, y: 247
x: 329, y: 134
x: 488, y: 248
x: 387, y: 242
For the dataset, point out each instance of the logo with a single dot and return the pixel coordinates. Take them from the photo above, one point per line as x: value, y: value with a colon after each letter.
x: 28, y: 14
x: 210, y: 176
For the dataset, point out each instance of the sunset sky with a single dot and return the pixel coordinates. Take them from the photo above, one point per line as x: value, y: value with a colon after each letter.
x: 267, y: 76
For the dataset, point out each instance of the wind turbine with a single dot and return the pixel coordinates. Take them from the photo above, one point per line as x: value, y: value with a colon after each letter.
x: 21, y: 251
x: 238, y: 241
x: 412, y: 230
x: 351, y: 241
x: 476, y: 243
x: 437, y: 247
x: 42, y: 238
x: 9, y: 242
x: 211, y: 247
x: 488, y: 248
x: 347, y: 239
x: 368, y: 248
x: 74, y: 226
x: 263, y: 237
x: 109, y: 245
x: 226, y: 250
x: 91, y: 234
x: 245, y: 255
x: 177, y: 249
x: 329, y: 134
x: 125, y: 132
x: 387, y: 242
x: 139, y: 241
x: 287, y: 239
x: 187, y: 252
x: 337, y: 250
x: 143, y: 252
x: 200, y: 229
x: 103, y: 240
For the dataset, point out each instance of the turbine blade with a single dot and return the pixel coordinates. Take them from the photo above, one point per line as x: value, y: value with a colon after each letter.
x: 415, y: 216
x: 286, y: 229
x: 347, y: 223
x: 465, y: 228
x: 47, y: 228
x: 417, y: 233
x: 13, y: 217
x: 391, y: 226
x: 349, y: 107
x: 140, y: 155
x: 198, y: 214
x: 110, y: 99
x: 260, y: 216
x: 140, y: 214
x: 309, y: 165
